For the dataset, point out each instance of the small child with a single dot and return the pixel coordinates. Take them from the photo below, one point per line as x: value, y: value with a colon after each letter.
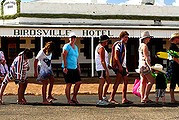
x: 3, y: 67
x: 161, y: 82
x: 3, y: 70
x: 18, y: 72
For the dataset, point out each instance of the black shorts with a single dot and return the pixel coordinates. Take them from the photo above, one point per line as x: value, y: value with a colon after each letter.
x: 72, y: 76
x: 124, y: 73
x: 174, y: 80
x: 101, y: 74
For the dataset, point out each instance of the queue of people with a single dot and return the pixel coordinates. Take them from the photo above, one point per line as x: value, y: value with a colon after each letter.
x: 71, y: 70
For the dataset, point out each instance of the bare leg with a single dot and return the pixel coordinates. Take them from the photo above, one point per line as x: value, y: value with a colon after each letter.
x: 115, y: 86
x: 150, y: 83
x: 75, y: 91
x: 20, y: 93
x: 100, y: 88
x: 24, y: 89
x: 108, y: 82
x: 172, y: 96
x: 67, y: 92
x: 3, y: 87
x: 44, y: 91
x: 51, y: 88
x: 156, y: 100
x: 124, y: 90
x: 163, y: 100
x: 142, y: 86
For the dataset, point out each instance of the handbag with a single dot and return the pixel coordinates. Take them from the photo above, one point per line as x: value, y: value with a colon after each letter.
x: 136, y: 88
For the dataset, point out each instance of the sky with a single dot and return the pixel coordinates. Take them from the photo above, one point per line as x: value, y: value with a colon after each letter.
x: 134, y: 2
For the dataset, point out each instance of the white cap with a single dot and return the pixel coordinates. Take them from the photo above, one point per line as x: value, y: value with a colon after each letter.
x: 72, y: 34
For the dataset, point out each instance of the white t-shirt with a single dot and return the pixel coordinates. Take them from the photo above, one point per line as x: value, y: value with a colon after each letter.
x: 44, y: 60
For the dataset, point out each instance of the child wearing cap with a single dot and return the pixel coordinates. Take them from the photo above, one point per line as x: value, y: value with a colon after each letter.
x: 161, y: 82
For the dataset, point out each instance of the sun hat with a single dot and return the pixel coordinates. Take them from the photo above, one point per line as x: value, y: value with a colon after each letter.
x: 103, y: 38
x: 174, y: 35
x: 158, y: 67
x: 72, y: 35
x: 145, y: 34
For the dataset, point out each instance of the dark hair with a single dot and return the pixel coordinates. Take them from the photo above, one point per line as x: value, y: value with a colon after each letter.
x: 122, y: 34
x: 50, y: 46
x: 28, y: 53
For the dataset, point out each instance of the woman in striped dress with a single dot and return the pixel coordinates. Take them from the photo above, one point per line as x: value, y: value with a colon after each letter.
x: 18, y: 72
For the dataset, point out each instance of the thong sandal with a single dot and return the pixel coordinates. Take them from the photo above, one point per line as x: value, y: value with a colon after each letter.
x: 127, y: 102
x: 147, y: 101
x: 75, y: 101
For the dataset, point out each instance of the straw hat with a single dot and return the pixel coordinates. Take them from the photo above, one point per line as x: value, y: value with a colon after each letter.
x: 145, y: 34
x: 158, y: 67
x: 174, y: 35
x: 103, y: 38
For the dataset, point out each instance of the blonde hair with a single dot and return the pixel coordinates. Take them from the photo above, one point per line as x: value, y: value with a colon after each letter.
x: 50, y: 46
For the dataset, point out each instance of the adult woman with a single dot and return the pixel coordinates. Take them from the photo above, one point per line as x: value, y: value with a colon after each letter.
x: 101, y: 60
x: 43, y: 71
x: 18, y: 72
x: 71, y: 68
x: 145, y: 67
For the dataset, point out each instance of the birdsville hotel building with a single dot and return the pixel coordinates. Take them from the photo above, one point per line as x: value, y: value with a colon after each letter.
x: 31, y: 24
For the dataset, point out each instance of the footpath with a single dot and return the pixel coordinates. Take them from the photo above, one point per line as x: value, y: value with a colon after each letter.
x: 89, y: 86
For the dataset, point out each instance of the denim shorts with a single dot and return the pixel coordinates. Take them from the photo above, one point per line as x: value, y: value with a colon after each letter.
x: 44, y: 74
x: 160, y: 93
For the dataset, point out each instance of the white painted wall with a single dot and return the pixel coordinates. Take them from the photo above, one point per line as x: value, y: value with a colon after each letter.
x: 98, y: 9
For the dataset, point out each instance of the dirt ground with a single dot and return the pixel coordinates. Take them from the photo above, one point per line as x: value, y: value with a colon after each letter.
x: 89, y: 86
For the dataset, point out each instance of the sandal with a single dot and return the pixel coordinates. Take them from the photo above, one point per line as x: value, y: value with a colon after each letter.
x: 75, y: 101
x: 147, y: 101
x: 114, y: 102
x: 174, y: 101
x: 51, y: 98
x: 127, y: 102
x: 46, y: 103
x: 71, y: 102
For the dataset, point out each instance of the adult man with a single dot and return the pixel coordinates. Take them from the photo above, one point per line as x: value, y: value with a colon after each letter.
x: 118, y: 63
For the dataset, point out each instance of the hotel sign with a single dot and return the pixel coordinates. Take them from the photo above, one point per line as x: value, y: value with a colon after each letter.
x: 80, y: 32
x: 9, y: 7
x: 61, y: 32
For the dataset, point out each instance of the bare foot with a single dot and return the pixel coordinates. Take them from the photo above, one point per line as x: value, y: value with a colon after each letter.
x: 1, y: 102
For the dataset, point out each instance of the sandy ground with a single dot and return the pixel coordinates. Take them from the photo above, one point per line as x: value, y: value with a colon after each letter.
x: 89, y: 86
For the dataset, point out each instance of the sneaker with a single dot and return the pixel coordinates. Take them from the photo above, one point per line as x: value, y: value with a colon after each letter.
x: 105, y: 99
x: 102, y: 102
